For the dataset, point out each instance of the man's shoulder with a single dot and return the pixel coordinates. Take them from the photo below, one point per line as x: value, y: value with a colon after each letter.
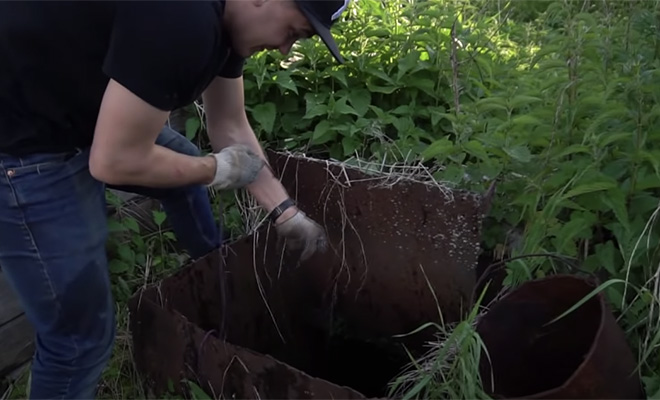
x: 166, y: 51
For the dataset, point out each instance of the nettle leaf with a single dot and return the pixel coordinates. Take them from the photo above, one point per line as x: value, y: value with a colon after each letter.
x: 159, y: 217
x: 523, y: 100
x: 519, y: 153
x: 526, y: 120
x: 476, y: 149
x: 340, y: 75
x: 126, y: 254
x: 118, y: 266
x: 606, y: 254
x: 192, y: 126
x: 350, y: 144
x: 407, y: 63
x: 589, y: 188
x: 360, y: 99
x: 115, y: 226
x: 131, y: 223
x: 323, y: 133
x: 608, y: 138
x: 424, y: 84
x: 342, y: 107
x: 647, y: 181
x: 403, y: 125
x: 438, y: 149
x: 652, y: 158
x: 572, y: 149
x: 571, y: 231
x: 615, y: 200
x: 453, y: 173
x: 389, y: 89
x: 401, y: 110
x: 284, y: 81
x: 315, y: 106
x: 437, y: 116
x: 264, y: 114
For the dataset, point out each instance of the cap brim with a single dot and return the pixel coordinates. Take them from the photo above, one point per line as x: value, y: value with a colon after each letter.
x: 325, y: 35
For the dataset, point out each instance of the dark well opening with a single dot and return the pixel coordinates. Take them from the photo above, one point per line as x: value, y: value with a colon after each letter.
x: 330, y: 315
x: 314, y: 335
x: 528, y: 355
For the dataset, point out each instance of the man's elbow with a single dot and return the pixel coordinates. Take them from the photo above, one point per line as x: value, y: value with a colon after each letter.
x: 106, y: 168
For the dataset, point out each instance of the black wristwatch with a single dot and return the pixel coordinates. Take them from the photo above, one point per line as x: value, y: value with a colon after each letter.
x: 279, y: 210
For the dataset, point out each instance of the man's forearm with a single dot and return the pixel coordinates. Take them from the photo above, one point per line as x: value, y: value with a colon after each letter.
x: 266, y: 189
x: 159, y: 167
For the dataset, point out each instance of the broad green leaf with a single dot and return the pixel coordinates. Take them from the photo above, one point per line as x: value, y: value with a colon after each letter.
x: 605, y: 253
x: 438, y: 148
x: 360, y: 99
x: 437, y: 116
x: 401, y: 110
x: 523, y: 100
x: 492, y: 107
x: 615, y: 200
x: 284, y: 81
x: 118, y: 266
x: 476, y: 149
x: 377, y: 32
x: 131, y: 223
x: 519, y: 153
x: 159, y: 217
x: 340, y: 75
x: 126, y: 254
x: 406, y: 63
x: 116, y: 226
x: 389, y: 89
x: 424, y: 84
x: 526, y: 120
x: 264, y: 114
x: 349, y: 144
x: 323, y: 133
x: 573, y: 149
x: 342, y: 107
x: 192, y: 126
x: 589, y: 188
x: 569, y: 232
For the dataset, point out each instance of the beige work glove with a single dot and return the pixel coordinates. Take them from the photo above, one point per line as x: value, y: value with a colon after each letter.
x: 236, y: 166
x: 302, y: 233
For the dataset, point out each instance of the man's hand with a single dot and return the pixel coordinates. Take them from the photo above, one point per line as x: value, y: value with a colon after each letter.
x: 300, y: 232
x: 236, y: 166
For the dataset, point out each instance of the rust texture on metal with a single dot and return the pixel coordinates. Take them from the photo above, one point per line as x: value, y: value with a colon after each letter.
x: 583, y: 355
x: 169, y: 348
x: 288, y: 324
x: 385, y: 234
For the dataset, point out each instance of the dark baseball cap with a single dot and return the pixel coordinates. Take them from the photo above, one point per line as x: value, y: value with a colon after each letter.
x: 322, y: 14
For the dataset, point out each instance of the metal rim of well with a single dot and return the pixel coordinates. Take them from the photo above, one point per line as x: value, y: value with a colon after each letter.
x: 599, y: 331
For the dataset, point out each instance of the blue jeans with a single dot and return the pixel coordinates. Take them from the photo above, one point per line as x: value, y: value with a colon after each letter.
x: 52, y: 251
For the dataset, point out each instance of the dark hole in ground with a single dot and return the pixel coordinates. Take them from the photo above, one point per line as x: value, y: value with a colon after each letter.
x: 335, y: 354
x: 365, y: 364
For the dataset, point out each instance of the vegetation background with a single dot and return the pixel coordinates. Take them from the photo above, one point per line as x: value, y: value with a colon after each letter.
x: 557, y: 101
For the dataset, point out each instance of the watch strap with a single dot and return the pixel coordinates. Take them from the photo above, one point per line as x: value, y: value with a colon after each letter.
x: 279, y: 210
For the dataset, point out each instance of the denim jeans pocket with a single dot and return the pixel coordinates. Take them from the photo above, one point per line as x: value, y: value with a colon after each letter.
x: 18, y: 166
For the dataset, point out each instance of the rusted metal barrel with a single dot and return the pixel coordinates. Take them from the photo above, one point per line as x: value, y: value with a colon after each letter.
x: 583, y: 355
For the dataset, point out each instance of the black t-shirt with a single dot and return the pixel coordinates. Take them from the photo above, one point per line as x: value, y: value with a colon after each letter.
x: 56, y: 59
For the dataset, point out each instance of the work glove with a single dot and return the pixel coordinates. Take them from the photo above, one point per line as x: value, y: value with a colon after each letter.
x: 236, y: 166
x: 302, y: 233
